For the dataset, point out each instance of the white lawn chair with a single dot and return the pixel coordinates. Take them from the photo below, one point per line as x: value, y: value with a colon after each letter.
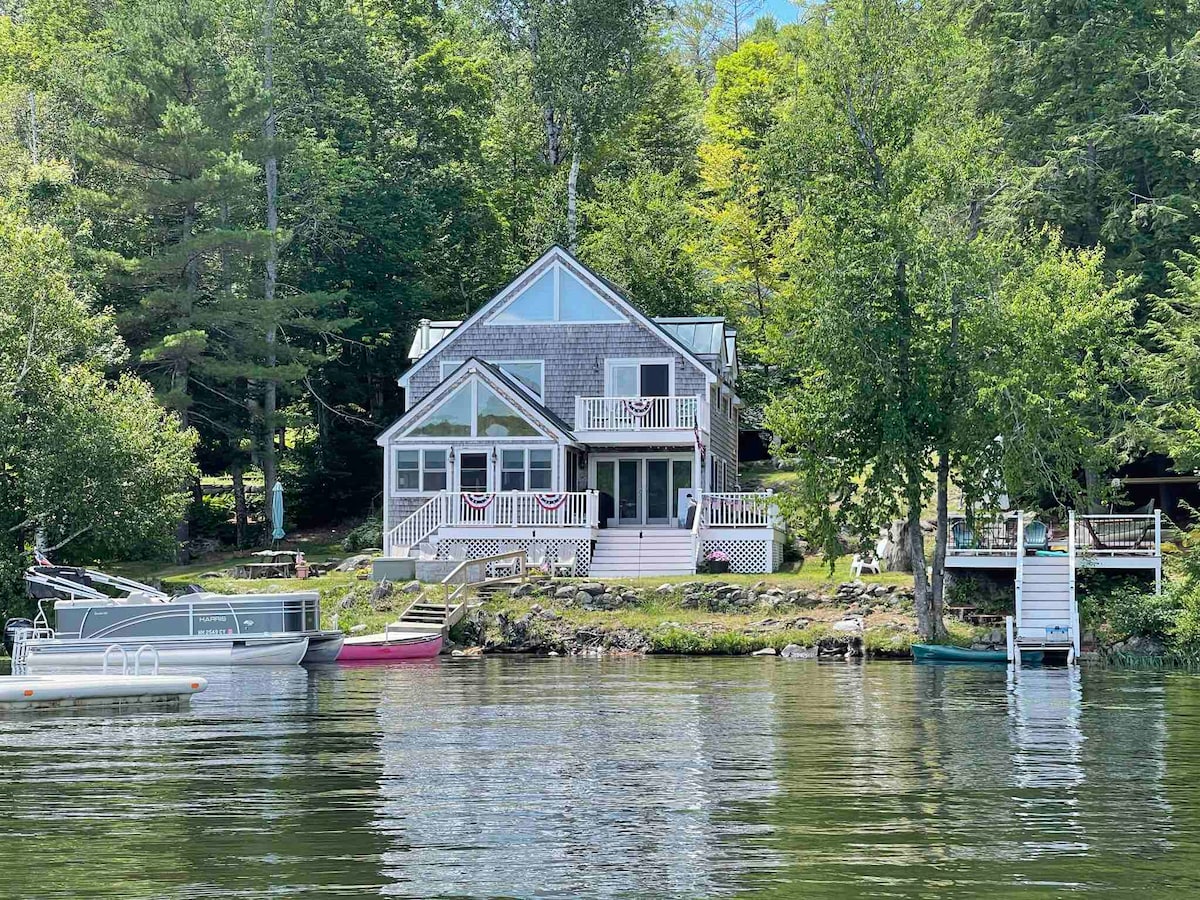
x: 456, y: 553
x: 507, y: 567
x: 535, y: 557
x: 426, y: 550
x: 564, y: 563
x: 870, y: 563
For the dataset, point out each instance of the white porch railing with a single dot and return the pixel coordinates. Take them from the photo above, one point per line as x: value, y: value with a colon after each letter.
x: 636, y: 413
x: 739, y: 510
x: 503, y: 509
x: 418, y: 526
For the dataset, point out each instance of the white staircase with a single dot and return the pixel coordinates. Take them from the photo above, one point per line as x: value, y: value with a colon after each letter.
x: 634, y: 552
x: 1045, y: 608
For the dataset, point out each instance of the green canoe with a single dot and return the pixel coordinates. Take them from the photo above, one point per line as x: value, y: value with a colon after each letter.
x: 948, y: 653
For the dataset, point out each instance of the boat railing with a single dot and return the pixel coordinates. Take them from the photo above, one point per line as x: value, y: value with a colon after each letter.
x: 137, y: 659
x: 108, y: 652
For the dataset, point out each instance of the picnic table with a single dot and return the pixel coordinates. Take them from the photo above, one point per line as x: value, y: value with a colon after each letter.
x: 282, y: 569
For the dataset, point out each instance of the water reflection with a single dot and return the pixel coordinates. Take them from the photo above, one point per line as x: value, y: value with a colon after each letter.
x: 617, y: 778
x: 626, y: 776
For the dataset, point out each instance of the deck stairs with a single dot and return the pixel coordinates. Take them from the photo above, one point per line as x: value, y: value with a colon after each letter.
x: 630, y: 552
x: 1046, y: 618
x: 431, y: 613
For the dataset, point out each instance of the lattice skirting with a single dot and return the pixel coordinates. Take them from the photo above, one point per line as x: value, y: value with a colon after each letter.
x: 749, y: 557
x: 477, y: 548
x: 776, y: 555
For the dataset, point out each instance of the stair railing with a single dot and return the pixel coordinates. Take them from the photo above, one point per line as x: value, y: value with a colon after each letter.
x: 517, y: 565
x: 427, y: 519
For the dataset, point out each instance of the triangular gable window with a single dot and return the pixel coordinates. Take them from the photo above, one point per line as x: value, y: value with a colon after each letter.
x: 495, y: 418
x: 474, y: 410
x: 557, y: 296
x: 577, y: 303
x: 534, y: 304
x: 452, y: 418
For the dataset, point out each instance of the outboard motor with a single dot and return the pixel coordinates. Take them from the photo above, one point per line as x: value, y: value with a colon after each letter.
x: 11, y: 626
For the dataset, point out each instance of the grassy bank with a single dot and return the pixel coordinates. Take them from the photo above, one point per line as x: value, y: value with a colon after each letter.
x: 649, y: 618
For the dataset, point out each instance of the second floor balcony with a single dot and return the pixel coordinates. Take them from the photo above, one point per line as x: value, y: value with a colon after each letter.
x: 636, y: 419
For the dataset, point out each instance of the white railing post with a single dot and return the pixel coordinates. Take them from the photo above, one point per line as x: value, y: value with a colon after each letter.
x: 1157, y: 551
x: 1020, y: 573
x: 1074, y: 608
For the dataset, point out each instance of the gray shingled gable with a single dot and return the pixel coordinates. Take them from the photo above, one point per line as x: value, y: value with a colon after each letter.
x: 488, y: 309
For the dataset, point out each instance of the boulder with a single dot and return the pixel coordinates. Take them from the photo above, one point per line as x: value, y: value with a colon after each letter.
x: 583, y: 598
x: 354, y: 563
x: 567, y: 592
x: 765, y: 651
x: 848, y: 626
x: 381, y: 594
x: 412, y: 587
x: 592, y: 587
x: 358, y: 629
x: 795, y: 651
x: 523, y: 590
x: 665, y: 589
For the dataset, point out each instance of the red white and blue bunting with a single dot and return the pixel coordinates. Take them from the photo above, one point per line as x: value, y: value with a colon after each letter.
x: 638, y: 407
x: 479, y: 501
x: 550, y: 502
x: 699, y: 443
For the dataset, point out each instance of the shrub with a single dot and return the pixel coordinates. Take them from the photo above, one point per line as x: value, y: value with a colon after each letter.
x: 368, y: 534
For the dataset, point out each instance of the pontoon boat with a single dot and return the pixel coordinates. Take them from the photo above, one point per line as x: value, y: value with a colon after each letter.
x: 196, y: 628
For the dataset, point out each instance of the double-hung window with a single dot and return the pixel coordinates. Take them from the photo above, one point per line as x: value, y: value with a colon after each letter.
x: 526, y: 470
x: 420, y: 470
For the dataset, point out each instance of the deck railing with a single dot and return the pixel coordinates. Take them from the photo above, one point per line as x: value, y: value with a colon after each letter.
x: 996, y: 535
x: 636, y: 413
x: 739, y: 510
x: 512, y: 509
x: 1098, y: 535
x: 1119, y: 535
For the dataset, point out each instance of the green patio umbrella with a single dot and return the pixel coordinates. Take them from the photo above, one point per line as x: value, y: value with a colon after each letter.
x: 277, y: 512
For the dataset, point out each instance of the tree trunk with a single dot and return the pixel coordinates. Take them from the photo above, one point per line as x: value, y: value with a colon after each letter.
x: 937, y: 600
x: 553, y: 136
x: 34, y: 151
x: 929, y: 623
x: 573, y: 199
x: 239, y: 504
x: 898, y: 558
x: 271, y: 171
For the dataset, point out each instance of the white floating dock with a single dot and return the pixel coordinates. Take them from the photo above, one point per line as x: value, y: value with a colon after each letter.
x: 21, y: 693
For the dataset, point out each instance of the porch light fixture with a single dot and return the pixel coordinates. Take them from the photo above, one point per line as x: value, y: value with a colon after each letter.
x: 494, y: 457
x: 451, y: 457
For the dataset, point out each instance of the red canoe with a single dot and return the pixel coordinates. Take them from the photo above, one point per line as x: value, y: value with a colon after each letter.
x: 391, y: 646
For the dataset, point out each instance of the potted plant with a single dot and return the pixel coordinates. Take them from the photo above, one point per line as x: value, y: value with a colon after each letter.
x: 716, y: 562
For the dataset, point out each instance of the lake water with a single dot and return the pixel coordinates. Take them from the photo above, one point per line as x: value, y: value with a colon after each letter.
x: 655, y: 777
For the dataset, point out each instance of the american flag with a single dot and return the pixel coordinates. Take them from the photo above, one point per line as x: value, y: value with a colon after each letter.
x: 40, y: 558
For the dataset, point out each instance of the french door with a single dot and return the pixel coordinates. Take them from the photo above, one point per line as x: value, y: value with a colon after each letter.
x: 642, y: 490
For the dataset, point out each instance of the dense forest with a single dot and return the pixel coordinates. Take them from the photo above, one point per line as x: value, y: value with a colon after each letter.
x: 958, y: 239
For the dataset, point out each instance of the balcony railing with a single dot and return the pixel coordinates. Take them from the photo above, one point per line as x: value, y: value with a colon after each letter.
x: 636, y: 413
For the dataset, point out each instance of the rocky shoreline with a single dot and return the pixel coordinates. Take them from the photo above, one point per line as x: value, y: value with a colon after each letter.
x: 856, y: 620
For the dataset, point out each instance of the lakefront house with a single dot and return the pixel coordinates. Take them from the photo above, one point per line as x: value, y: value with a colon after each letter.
x: 562, y: 420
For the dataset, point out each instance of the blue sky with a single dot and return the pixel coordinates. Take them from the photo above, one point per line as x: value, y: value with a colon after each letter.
x: 783, y: 10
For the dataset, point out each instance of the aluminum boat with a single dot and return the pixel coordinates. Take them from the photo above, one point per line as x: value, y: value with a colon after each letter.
x: 94, y: 611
